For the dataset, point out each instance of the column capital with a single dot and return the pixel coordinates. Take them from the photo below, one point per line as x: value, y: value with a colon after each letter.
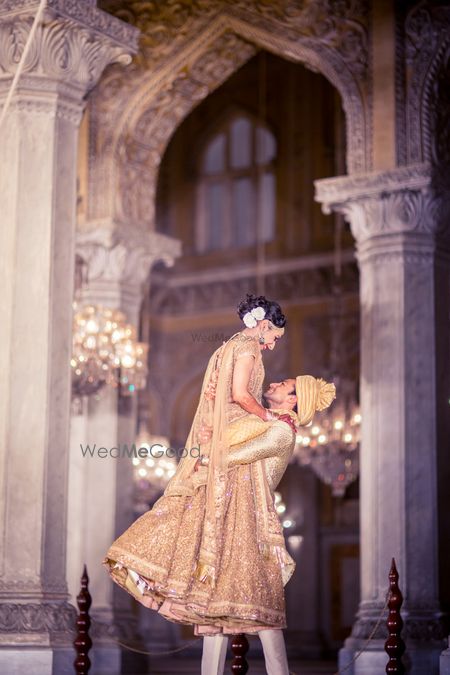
x: 73, y: 44
x: 117, y: 260
x: 391, y: 203
x: 123, y: 254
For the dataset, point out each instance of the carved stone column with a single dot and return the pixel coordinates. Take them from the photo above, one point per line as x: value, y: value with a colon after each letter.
x: 38, y: 141
x: 403, y: 256
x: 117, y: 262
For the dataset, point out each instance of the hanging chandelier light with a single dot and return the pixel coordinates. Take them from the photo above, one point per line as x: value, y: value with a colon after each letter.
x: 153, y: 472
x: 280, y: 508
x: 105, y: 352
x: 330, y: 446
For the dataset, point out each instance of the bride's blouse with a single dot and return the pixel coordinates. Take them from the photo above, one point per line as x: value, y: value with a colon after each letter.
x: 244, y: 346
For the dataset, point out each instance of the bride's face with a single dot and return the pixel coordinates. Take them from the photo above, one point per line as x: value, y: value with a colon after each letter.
x: 271, y: 337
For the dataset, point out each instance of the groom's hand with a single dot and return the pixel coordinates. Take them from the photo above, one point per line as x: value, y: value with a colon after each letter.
x: 204, y: 434
x: 288, y: 419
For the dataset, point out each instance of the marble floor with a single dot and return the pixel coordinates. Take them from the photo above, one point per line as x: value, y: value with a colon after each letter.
x: 191, y: 666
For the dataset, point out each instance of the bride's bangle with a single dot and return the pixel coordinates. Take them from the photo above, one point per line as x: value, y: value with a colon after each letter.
x: 204, y: 460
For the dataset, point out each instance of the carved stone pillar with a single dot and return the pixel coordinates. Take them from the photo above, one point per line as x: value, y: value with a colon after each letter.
x: 403, y: 257
x: 117, y: 262
x: 38, y: 140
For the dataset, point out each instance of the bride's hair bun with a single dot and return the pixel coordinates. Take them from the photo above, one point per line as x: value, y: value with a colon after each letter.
x: 272, y: 309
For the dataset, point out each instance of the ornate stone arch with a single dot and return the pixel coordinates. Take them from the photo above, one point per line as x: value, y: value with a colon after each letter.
x: 435, y: 107
x: 427, y: 52
x: 150, y: 103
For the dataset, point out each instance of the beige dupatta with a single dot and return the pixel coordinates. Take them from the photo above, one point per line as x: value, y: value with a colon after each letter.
x: 211, y: 411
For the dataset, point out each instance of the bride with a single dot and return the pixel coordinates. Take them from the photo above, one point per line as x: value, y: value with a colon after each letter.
x: 211, y: 552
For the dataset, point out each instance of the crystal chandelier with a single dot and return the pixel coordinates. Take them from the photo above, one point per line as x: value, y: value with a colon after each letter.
x: 105, y: 352
x: 153, y: 472
x: 330, y: 445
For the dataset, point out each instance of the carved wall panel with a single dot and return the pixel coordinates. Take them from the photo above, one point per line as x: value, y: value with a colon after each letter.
x: 184, y: 299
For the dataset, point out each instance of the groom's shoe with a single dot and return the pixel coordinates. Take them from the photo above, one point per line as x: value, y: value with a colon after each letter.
x: 214, y: 654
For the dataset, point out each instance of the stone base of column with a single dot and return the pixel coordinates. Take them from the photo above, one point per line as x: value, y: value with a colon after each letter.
x: 106, y: 659
x: 37, y: 660
x: 419, y: 659
x: 423, y: 633
x: 372, y: 660
x: 444, y: 662
x: 37, y: 637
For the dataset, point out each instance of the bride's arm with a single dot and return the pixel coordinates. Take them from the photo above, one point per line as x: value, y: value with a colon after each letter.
x: 239, y: 388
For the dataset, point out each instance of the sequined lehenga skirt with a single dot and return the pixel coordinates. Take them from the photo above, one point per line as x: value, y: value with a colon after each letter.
x: 156, y: 558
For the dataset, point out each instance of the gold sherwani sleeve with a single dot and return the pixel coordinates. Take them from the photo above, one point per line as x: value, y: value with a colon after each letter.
x: 274, y: 445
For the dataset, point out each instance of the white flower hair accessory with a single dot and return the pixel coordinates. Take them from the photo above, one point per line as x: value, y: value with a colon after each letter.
x: 251, y: 318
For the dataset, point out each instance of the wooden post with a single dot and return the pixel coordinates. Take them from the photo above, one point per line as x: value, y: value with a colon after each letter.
x: 394, y: 645
x: 239, y: 647
x: 83, y: 642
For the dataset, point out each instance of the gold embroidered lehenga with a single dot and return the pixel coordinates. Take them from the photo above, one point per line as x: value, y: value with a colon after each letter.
x: 211, y: 551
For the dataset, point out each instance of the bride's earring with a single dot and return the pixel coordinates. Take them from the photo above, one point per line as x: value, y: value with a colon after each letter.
x: 261, y: 339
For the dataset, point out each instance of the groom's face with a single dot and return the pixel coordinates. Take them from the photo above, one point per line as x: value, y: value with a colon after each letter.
x: 280, y: 393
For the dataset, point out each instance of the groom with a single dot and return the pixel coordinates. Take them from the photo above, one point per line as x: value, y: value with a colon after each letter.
x: 280, y: 396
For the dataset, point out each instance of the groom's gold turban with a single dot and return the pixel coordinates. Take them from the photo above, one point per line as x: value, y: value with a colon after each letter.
x: 312, y: 394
